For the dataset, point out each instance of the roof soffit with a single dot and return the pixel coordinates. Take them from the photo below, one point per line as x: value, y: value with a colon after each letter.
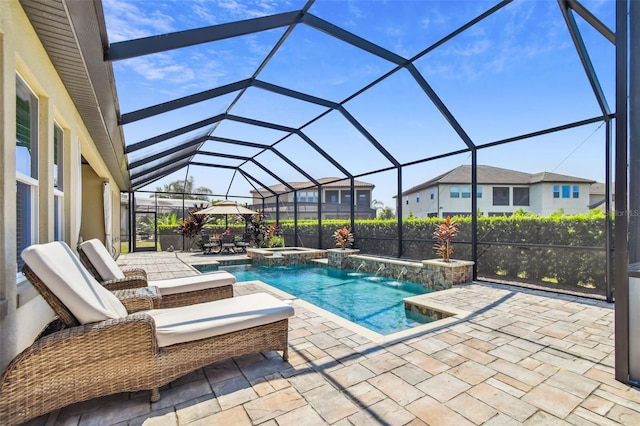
x: 72, y: 34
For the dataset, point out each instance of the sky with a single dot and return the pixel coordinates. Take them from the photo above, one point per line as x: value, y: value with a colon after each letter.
x: 513, y: 73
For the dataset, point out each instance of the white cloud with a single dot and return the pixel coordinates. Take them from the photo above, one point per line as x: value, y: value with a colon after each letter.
x: 127, y: 21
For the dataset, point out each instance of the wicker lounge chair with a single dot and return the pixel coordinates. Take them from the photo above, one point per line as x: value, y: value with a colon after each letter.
x: 175, y: 292
x: 108, y: 349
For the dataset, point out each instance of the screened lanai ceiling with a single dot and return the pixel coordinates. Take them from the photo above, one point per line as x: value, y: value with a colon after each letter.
x: 249, y: 94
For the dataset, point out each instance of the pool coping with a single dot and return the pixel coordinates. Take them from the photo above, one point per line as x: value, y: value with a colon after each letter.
x: 456, y: 314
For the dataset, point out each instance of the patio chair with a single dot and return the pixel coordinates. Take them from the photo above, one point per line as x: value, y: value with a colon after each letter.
x: 228, y: 243
x: 241, y: 246
x: 175, y: 291
x: 108, y: 349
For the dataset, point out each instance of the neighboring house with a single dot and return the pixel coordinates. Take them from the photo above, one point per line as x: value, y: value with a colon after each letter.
x: 597, y: 196
x: 335, y: 198
x: 500, y: 192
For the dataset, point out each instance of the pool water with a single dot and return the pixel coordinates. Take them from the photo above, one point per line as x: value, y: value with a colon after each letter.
x: 370, y: 301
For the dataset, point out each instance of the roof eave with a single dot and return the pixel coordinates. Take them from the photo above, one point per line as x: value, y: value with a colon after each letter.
x: 92, y: 85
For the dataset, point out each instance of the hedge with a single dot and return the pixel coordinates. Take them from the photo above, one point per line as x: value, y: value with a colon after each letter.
x: 559, y: 267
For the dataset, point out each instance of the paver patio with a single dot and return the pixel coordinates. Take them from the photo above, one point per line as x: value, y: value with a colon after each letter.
x: 521, y: 357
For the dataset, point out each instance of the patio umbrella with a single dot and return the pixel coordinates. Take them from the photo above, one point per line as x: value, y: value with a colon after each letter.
x: 226, y: 208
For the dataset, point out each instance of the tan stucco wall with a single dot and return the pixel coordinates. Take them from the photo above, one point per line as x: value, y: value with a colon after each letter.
x: 92, y: 224
x: 22, y: 313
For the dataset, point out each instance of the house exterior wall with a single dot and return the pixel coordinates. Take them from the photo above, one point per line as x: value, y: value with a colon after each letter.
x: 541, y: 200
x: 568, y: 205
x: 23, y: 313
x: 309, y: 209
x: 422, y: 205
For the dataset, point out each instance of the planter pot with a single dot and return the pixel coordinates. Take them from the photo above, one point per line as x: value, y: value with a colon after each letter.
x: 336, y: 257
x: 446, y: 274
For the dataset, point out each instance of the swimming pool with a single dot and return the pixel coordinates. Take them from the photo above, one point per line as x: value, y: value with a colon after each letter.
x: 370, y: 301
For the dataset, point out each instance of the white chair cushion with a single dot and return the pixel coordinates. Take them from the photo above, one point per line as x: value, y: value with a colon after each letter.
x: 193, y: 283
x: 101, y: 260
x: 194, y: 322
x: 61, y: 271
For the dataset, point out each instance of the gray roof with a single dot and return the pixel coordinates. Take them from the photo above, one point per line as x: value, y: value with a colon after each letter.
x: 326, y: 182
x: 489, y: 175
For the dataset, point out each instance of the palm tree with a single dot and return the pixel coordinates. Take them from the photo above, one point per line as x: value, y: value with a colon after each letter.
x: 186, y: 187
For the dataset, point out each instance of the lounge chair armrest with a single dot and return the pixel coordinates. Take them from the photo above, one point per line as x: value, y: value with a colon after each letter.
x: 107, y: 333
x: 46, y: 375
x: 135, y: 281
x: 139, y: 299
x: 136, y: 303
x: 137, y: 272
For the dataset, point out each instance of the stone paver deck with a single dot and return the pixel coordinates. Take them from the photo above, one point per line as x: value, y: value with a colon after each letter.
x: 519, y: 357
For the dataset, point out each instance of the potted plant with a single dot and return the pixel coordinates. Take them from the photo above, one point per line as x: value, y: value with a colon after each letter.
x: 343, y: 237
x: 444, y: 233
x: 192, y: 225
x: 445, y: 272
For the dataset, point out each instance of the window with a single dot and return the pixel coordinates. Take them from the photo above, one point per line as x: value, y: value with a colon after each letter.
x: 479, y: 192
x: 521, y: 196
x: 346, y: 197
x: 26, y: 168
x: 432, y: 193
x: 566, y: 190
x: 363, y: 198
x: 418, y: 197
x: 331, y: 197
x: 576, y: 191
x: 500, y: 196
x: 58, y: 190
x: 302, y: 196
x: 556, y: 191
x: 407, y: 200
x: 454, y: 192
x: 466, y: 192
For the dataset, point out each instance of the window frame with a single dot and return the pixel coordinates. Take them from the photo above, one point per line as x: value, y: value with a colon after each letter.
x: 575, y: 193
x: 454, y: 192
x: 556, y: 191
x: 58, y: 190
x: 32, y: 180
x: 508, y: 192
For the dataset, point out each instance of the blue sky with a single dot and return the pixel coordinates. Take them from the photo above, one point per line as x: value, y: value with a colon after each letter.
x: 514, y: 73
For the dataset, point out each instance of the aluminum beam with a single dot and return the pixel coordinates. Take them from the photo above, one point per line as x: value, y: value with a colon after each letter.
x: 584, y: 58
x: 273, y: 175
x: 621, y: 259
x: 167, y: 152
x: 352, y: 39
x: 162, y: 43
x: 293, y: 94
x: 149, y: 179
x: 440, y: 106
x: 249, y: 177
x: 351, y: 119
x: 174, y: 104
x: 172, y: 134
x: 593, y: 21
